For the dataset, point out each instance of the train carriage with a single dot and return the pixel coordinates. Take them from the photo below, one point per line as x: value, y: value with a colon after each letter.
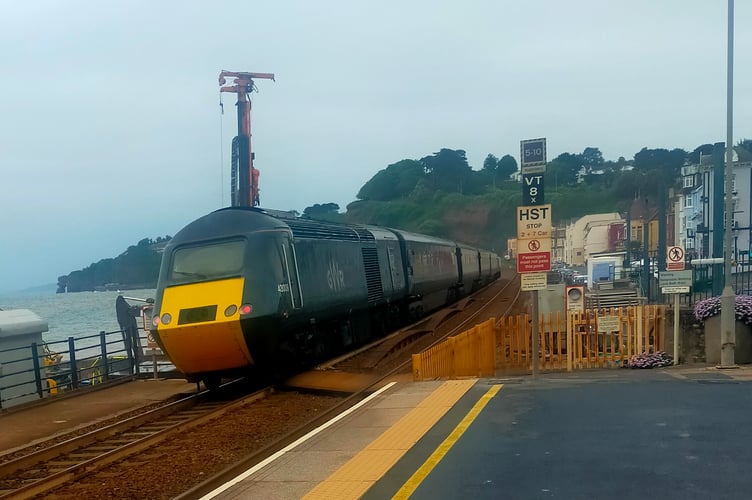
x: 242, y: 288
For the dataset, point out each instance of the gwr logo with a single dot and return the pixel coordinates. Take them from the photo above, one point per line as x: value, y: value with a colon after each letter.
x: 335, y: 277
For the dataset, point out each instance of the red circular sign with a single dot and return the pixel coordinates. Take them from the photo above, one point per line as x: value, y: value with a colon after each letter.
x: 533, y: 245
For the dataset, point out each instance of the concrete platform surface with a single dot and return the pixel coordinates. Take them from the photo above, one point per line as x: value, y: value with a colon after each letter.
x: 24, y: 426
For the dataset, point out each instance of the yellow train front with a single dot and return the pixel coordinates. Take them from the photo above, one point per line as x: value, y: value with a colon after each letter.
x: 208, y: 301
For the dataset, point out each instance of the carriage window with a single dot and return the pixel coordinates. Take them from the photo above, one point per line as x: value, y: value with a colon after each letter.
x: 206, y: 262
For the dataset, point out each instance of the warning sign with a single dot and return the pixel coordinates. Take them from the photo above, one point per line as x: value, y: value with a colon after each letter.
x: 533, y: 281
x: 675, y: 259
x: 533, y: 262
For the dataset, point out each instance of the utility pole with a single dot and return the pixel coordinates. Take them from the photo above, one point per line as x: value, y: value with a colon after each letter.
x: 728, y: 302
x: 244, y: 190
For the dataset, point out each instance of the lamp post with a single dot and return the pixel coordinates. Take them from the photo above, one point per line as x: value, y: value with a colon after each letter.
x: 728, y: 303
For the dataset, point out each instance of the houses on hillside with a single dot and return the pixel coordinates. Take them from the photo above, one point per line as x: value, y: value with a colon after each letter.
x: 700, y: 208
x: 693, y: 220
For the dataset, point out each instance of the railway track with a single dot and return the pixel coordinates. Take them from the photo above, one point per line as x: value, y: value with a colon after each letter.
x: 94, y: 465
x: 505, y: 298
x: 380, y: 356
x: 50, y: 467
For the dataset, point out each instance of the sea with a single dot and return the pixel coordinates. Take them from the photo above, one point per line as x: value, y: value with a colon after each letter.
x: 71, y: 314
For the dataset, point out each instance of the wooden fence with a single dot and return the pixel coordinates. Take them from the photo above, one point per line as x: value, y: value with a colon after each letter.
x: 604, y: 338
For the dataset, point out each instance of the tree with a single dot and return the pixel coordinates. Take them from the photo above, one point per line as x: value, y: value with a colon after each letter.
x: 506, y: 167
x: 662, y: 162
x: 394, y: 182
x: 746, y: 146
x: 693, y: 158
x: 448, y: 169
x: 563, y: 169
x: 489, y: 164
x: 321, y: 209
x: 592, y: 158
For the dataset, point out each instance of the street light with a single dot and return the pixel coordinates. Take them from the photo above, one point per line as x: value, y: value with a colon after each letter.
x: 728, y: 302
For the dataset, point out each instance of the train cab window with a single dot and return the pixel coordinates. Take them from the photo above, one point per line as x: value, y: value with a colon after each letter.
x: 206, y: 262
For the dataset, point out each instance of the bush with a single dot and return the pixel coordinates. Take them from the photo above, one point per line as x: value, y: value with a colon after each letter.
x: 708, y: 308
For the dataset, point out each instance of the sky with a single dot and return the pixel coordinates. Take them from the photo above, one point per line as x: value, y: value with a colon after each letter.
x: 111, y: 129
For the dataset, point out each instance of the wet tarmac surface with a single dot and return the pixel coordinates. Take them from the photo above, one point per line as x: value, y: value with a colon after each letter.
x: 608, y: 434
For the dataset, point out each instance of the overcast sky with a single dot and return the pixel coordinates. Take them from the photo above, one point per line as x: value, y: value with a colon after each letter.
x: 110, y: 125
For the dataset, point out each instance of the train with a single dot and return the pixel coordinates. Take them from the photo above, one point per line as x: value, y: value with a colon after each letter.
x: 246, y: 290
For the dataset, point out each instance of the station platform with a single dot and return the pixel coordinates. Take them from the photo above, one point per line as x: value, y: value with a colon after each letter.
x: 676, y: 433
x: 613, y: 434
x: 26, y: 425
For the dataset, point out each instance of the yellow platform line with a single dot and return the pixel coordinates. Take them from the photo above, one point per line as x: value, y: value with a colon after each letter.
x: 354, y: 478
x: 417, y: 478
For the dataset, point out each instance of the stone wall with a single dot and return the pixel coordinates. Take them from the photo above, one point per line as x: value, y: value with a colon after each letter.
x: 692, y: 339
x: 691, y: 336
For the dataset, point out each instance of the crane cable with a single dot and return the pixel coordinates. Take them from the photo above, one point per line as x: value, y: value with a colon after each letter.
x: 221, y: 153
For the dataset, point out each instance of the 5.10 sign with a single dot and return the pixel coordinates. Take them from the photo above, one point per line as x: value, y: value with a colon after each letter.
x: 532, y: 154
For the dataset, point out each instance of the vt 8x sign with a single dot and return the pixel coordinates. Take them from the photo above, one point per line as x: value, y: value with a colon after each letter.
x: 532, y: 189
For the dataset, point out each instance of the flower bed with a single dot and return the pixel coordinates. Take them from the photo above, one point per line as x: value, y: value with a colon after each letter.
x: 650, y: 360
x: 708, y: 311
x: 708, y: 308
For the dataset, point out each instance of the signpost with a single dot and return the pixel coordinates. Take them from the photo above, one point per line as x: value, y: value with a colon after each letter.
x: 675, y: 282
x: 533, y: 232
x: 674, y: 279
x: 675, y: 261
x: 533, y: 281
x: 533, y: 156
x: 532, y: 189
x: 534, y: 239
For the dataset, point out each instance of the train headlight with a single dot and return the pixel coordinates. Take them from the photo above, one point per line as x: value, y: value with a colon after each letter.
x: 231, y: 310
x: 166, y: 318
x: 246, y: 309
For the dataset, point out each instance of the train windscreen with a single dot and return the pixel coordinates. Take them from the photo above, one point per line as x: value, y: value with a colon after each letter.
x: 207, y: 262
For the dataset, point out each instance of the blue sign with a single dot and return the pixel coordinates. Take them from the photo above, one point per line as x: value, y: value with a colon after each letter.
x: 532, y: 152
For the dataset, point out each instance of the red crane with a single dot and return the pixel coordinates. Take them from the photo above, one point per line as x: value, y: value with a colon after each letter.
x: 244, y: 179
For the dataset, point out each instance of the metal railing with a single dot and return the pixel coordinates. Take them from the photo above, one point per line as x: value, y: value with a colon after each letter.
x: 49, y: 369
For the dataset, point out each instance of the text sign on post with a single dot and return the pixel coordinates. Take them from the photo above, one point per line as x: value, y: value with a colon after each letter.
x: 532, y: 153
x: 675, y: 258
x: 533, y: 281
x: 534, y: 222
x: 532, y: 189
x: 675, y: 279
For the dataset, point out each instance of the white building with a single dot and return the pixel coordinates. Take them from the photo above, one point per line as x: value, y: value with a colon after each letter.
x: 695, y: 225
x: 588, y: 234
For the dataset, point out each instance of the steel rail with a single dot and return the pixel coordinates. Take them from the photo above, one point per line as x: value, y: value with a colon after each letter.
x: 115, y: 442
x: 257, y: 456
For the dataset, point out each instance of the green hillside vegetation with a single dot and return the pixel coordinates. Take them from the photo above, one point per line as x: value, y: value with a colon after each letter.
x: 441, y: 195
x: 137, y: 267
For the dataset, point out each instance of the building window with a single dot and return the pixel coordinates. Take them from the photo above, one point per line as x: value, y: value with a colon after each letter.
x: 689, y: 181
x: 688, y: 201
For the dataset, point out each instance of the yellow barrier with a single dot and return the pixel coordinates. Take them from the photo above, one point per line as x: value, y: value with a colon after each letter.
x: 469, y: 354
x: 590, y: 339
